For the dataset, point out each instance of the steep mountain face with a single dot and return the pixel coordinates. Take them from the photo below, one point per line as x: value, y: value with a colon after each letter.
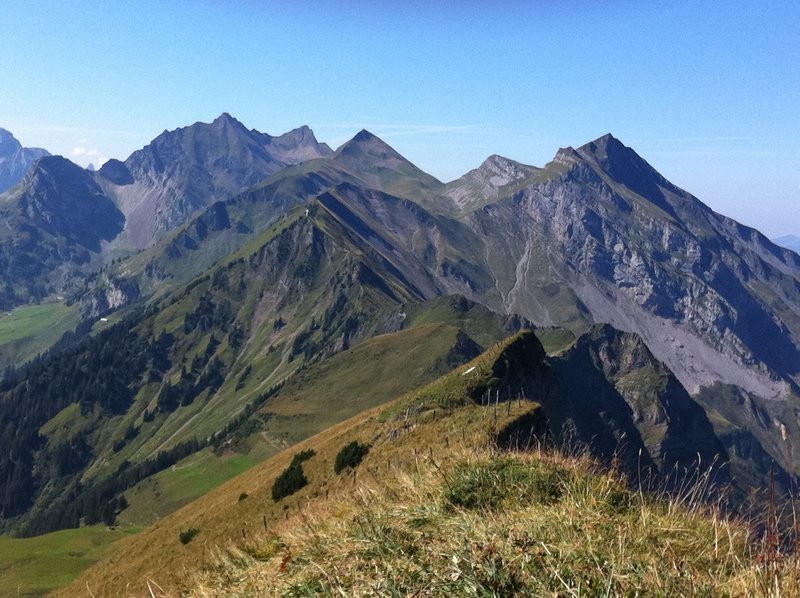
x: 602, y: 237
x: 627, y: 247
x: 15, y: 160
x: 611, y: 377
x: 55, y: 224
x: 160, y: 186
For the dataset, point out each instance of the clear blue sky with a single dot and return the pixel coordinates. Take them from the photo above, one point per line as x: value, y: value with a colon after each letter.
x: 707, y: 92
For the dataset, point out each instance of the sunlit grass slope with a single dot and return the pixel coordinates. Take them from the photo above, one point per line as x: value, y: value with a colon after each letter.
x: 444, y: 503
x: 34, y: 566
x: 30, y: 330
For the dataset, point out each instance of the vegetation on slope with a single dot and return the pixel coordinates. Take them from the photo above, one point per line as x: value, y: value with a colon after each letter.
x: 489, y: 523
x: 444, y: 504
x: 33, y: 566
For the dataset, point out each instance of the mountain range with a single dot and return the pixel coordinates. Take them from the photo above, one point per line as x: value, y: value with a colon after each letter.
x: 238, y: 292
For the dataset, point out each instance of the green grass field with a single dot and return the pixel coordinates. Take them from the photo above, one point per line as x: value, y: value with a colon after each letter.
x: 178, y: 485
x: 34, y: 566
x: 30, y: 330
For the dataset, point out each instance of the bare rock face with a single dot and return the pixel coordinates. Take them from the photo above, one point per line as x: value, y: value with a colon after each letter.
x: 488, y: 182
x: 15, y: 160
x: 180, y: 172
x: 637, y: 252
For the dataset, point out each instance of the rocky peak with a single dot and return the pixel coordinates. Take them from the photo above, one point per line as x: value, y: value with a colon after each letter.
x: 187, y: 169
x: 15, y: 160
x: 8, y: 142
x: 63, y: 199
x: 498, y: 171
x: 116, y: 172
x: 300, y: 144
x: 611, y: 157
x: 225, y: 119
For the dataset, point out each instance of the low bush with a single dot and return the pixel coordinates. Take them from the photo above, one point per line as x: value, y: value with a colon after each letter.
x: 292, y: 478
x: 489, y: 485
x: 350, y: 456
x: 188, y: 535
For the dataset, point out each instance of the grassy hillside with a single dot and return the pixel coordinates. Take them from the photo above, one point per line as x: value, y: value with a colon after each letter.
x: 27, y: 331
x: 314, y: 399
x: 436, y: 509
x: 34, y: 566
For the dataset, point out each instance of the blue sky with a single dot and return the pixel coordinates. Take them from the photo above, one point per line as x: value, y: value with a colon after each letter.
x: 707, y: 92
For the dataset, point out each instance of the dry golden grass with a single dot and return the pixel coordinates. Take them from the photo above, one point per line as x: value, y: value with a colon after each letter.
x: 435, y: 509
x: 402, y: 535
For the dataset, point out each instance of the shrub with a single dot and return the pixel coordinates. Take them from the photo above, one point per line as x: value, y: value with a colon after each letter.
x: 242, y: 496
x: 188, y: 535
x: 292, y: 478
x: 489, y: 485
x: 351, y: 456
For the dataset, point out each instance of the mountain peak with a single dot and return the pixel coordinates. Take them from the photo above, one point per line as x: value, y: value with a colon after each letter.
x: 224, y: 118
x: 7, y: 140
x: 366, y: 142
x: 363, y: 135
x: 607, y: 147
x: 609, y: 155
x: 15, y: 160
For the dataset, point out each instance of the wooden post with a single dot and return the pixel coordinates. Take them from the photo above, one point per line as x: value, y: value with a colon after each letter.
x: 264, y: 517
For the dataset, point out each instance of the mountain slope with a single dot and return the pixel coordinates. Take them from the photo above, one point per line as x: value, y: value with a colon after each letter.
x: 429, y: 428
x: 596, y: 236
x: 15, y: 160
x: 380, y: 167
x: 55, y: 226
x: 160, y: 186
x: 162, y: 382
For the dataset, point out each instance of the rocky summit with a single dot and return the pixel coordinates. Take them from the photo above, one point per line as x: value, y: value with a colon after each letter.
x: 15, y: 160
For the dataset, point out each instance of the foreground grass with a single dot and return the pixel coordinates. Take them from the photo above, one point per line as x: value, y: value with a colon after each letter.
x: 436, y: 509
x: 34, y: 566
x: 487, y: 523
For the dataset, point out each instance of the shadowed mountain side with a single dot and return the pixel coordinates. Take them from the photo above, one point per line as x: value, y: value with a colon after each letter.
x: 15, y: 160
x: 55, y: 223
x: 607, y: 393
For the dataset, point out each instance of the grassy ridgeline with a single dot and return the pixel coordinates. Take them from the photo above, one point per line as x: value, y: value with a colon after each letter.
x: 483, y: 522
x: 435, y: 508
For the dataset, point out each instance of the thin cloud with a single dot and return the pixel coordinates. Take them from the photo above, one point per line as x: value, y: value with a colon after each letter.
x: 86, y: 156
